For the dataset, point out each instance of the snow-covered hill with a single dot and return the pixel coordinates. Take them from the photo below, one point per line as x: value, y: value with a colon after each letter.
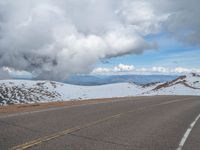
x: 183, y: 85
x: 24, y: 91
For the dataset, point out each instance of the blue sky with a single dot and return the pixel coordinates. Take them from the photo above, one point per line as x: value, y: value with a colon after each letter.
x: 170, y: 53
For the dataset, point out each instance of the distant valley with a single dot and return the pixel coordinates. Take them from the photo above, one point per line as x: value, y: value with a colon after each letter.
x: 92, y: 80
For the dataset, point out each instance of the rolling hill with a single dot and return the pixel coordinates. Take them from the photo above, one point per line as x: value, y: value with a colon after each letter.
x: 25, y: 91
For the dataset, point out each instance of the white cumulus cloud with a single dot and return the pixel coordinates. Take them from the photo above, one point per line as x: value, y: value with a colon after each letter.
x: 121, y: 68
x: 130, y: 69
x: 53, y: 39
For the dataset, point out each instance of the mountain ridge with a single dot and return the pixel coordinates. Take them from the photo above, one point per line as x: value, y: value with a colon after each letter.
x: 91, y: 80
x: 25, y: 91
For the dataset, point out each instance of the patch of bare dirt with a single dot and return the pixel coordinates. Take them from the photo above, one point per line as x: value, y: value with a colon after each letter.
x: 195, y: 75
x: 37, y: 106
x: 149, y: 84
x: 173, y: 82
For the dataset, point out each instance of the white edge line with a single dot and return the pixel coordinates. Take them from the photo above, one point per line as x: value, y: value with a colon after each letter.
x: 187, y: 133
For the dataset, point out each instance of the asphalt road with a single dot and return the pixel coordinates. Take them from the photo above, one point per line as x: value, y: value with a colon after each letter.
x: 140, y: 123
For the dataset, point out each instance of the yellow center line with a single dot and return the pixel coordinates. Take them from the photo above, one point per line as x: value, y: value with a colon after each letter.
x: 67, y: 131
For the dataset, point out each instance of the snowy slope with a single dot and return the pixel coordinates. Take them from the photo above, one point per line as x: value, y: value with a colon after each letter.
x: 183, y: 85
x: 24, y: 91
x: 102, y: 91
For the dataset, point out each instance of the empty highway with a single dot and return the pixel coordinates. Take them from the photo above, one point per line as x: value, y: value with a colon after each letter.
x: 132, y: 123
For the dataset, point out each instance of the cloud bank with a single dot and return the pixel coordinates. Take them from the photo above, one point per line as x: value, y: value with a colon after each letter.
x: 53, y: 39
x: 130, y: 69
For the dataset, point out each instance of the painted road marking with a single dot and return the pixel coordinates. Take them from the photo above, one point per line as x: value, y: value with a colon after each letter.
x: 187, y: 133
x: 59, y: 134
x: 74, y: 129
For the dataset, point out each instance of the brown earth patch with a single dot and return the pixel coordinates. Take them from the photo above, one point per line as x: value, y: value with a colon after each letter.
x: 168, y: 84
x: 10, y: 109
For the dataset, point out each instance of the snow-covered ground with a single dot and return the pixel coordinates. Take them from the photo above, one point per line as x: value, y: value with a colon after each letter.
x: 23, y: 91
x: 184, y: 85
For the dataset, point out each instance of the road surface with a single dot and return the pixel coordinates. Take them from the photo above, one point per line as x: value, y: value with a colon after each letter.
x: 140, y: 123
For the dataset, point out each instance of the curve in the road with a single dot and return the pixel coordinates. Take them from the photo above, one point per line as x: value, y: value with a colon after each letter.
x: 67, y: 131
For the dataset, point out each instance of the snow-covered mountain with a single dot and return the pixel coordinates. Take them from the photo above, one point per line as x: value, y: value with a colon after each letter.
x: 24, y: 91
x: 183, y: 85
x: 110, y: 79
